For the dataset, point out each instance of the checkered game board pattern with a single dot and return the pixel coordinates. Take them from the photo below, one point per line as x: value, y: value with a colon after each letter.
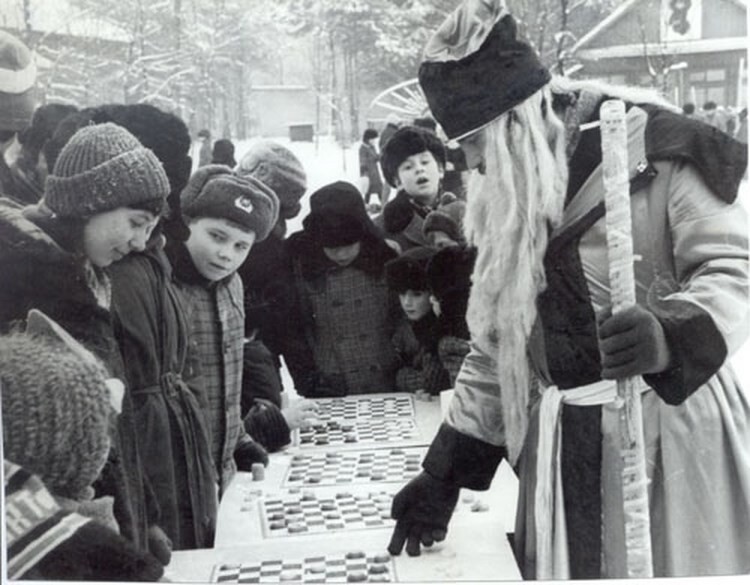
x: 332, y: 432
x: 306, y: 513
x: 375, y: 407
x: 397, y: 464
x: 351, y: 567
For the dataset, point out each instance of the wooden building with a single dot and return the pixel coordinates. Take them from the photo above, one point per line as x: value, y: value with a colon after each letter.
x: 692, y: 50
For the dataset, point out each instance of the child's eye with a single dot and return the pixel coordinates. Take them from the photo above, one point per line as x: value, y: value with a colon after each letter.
x: 217, y: 237
x: 241, y: 247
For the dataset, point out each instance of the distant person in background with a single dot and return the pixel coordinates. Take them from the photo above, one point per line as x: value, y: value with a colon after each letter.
x: 223, y: 153
x: 369, y: 171
x: 268, y: 293
x: 17, y: 103
x: 345, y: 315
x: 712, y: 116
x: 30, y: 168
x: 392, y: 123
x: 204, y: 154
x: 688, y: 108
x: 741, y: 134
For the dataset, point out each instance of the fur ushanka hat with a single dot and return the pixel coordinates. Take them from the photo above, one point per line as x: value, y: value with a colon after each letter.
x: 337, y: 216
x: 405, y: 142
x: 281, y: 170
x: 476, y: 68
x: 409, y: 271
x: 216, y: 191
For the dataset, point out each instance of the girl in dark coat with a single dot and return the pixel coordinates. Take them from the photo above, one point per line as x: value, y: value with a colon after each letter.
x: 101, y: 202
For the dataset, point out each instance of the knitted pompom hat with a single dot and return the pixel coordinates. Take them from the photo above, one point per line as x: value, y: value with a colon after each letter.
x: 56, y: 410
x: 278, y: 168
x: 409, y: 271
x: 101, y: 168
x: 17, y: 78
x: 216, y: 191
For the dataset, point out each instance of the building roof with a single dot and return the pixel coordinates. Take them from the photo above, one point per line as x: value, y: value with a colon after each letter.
x: 695, y: 46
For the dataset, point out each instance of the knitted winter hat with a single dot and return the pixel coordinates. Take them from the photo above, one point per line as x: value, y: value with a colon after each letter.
x: 337, y: 215
x: 55, y: 411
x: 278, y: 168
x: 475, y: 68
x: 405, y: 142
x: 101, y: 168
x: 449, y: 270
x: 409, y: 271
x: 17, y: 78
x: 446, y: 218
x: 216, y: 191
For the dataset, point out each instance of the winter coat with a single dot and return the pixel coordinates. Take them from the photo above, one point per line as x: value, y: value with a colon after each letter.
x: 347, y: 316
x: 216, y: 316
x: 162, y: 378
x: 419, y: 366
x: 37, y: 273
x: 693, y: 238
x: 402, y: 220
x: 368, y: 167
x: 47, y: 543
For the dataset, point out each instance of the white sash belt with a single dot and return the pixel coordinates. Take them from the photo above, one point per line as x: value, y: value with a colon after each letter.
x: 549, y: 511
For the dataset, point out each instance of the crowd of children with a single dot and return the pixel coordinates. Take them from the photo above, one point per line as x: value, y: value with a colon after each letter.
x: 167, y: 300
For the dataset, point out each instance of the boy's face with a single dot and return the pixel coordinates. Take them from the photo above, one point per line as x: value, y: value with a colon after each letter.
x: 343, y: 255
x: 415, y: 303
x: 111, y: 235
x: 419, y: 175
x: 218, y: 247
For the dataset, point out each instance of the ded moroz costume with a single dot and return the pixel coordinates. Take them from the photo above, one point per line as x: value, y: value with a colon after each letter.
x: 546, y: 232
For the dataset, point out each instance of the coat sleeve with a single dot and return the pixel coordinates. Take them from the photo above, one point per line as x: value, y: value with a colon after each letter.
x: 705, y: 317
x: 471, y: 441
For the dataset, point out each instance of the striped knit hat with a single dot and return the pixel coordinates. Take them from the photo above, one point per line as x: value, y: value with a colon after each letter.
x: 101, y: 168
x: 35, y: 524
x: 55, y: 412
x: 17, y: 78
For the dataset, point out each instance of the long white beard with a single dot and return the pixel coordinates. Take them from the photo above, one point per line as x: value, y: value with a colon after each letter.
x: 510, y: 210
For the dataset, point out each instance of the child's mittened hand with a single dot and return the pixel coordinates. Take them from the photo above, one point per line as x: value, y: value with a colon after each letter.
x: 248, y: 453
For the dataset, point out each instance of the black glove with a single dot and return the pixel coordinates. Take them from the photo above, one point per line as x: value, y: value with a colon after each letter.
x: 422, y: 509
x: 159, y: 544
x: 248, y: 453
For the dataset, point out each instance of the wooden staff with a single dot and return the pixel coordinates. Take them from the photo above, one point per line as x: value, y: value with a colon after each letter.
x: 622, y: 285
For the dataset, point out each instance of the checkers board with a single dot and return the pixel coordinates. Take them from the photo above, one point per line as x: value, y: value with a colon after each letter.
x: 365, y: 430
x: 397, y: 464
x: 306, y: 513
x: 377, y: 407
x: 351, y: 567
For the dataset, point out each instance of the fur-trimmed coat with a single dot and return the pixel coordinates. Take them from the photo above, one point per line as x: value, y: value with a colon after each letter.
x: 692, y: 237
